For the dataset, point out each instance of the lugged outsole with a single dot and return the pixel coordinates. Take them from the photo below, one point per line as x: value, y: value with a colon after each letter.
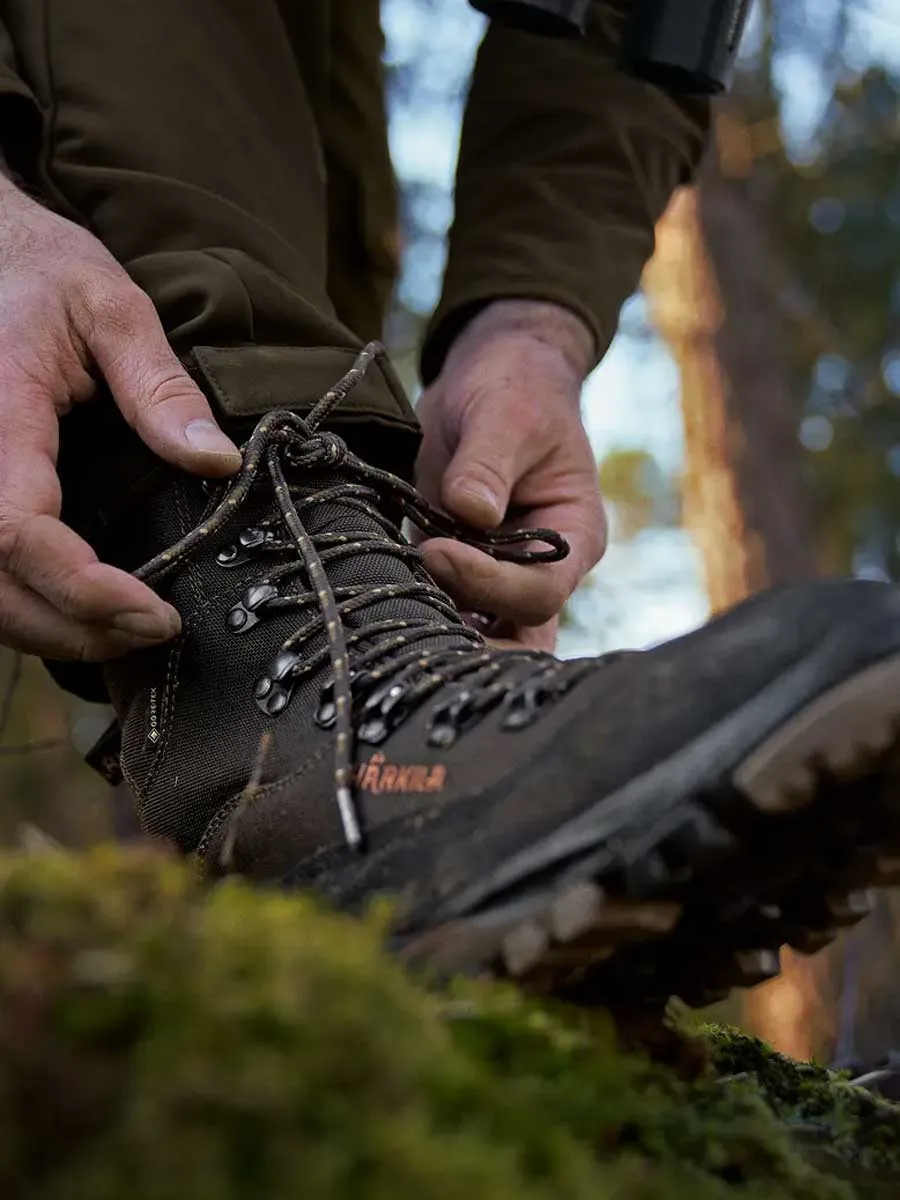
x: 784, y: 853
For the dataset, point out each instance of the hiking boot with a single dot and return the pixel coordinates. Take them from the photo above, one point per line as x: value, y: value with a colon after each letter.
x: 636, y: 824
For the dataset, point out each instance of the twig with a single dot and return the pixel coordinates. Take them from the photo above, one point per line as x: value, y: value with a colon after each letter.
x: 845, y: 1053
x: 33, y: 841
x: 248, y: 795
x: 35, y: 747
x: 9, y: 693
x: 6, y: 704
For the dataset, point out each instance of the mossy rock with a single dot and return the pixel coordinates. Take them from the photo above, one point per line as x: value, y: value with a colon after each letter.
x: 159, y: 1041
x: 849, y: 1131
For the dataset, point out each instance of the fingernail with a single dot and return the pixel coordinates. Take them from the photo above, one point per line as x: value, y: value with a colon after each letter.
x: 148, y: 627
x: 205, y: 435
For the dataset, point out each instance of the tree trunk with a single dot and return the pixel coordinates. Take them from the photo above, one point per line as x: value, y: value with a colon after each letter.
x: 712, y: 290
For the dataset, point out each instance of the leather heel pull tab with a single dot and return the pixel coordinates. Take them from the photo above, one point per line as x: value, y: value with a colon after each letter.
x: 105, y: 755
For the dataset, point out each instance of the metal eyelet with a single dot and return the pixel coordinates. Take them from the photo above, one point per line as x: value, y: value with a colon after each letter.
x: 235, y: 554
x: 450, y: 719
x: 442, y: 736
x: 243, y: 616
x: 273, y: 690
x: 382, y: 712
x: 519, y: 715
x: 523, y: 706
x: 373, y: 732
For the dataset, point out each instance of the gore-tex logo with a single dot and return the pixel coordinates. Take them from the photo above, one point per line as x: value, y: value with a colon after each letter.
x: 377, y: 775
x: 153, y: 733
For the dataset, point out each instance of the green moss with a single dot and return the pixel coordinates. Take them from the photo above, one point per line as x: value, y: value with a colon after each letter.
x: 852, y: 1129
x: 159, y: 1042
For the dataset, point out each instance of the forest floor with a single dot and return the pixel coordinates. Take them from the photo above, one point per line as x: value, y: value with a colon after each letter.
x: 163, y: 1041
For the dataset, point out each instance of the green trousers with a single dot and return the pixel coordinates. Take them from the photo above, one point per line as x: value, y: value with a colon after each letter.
x: 232, y: 154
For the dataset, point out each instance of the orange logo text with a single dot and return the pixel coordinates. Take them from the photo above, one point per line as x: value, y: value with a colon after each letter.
x: 377, y: 775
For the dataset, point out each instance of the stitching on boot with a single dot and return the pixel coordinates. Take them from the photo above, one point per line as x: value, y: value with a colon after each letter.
x: 166, y: 714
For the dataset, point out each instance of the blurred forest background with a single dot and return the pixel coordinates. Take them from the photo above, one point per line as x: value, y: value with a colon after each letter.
x: 746, y: 420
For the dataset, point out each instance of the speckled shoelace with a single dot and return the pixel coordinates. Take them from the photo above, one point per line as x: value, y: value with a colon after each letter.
x: 283, y: 438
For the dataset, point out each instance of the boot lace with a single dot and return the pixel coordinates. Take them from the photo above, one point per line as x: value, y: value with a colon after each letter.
x: 391, y: 673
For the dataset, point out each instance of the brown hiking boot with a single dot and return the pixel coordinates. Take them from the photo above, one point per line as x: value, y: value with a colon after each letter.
x: 634, y: 825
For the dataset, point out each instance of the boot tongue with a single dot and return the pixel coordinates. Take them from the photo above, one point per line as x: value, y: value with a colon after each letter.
x: 369, y: 568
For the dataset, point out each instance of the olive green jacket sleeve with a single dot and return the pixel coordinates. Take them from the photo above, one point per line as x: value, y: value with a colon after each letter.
x: 20, y: 116
x: 363, y: 220
x: 565, y: 166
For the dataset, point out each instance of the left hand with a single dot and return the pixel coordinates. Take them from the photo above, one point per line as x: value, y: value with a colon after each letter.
x: 504, y: 446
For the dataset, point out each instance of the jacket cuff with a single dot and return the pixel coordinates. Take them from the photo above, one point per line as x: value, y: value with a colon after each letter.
x: 566, y: 163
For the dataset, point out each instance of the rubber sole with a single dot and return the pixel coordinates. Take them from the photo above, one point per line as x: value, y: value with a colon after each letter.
x: 785, y: 851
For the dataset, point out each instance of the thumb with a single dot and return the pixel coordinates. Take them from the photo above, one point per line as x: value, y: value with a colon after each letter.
x: 156, y: 395
x: 479, y: 480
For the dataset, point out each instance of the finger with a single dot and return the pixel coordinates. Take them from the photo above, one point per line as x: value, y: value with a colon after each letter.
x: 49, y: 559
x: 523, y: 594
x: 153, y: 391
x: 478, y: 481
x: 32, y: 626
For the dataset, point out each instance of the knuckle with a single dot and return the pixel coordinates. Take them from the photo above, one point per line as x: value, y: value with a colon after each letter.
x: 90, y: 647
x: 170, y: 385
x: 494, y: 474
x: 118, y: 306
x: 13, y: 540
x: 70, y: 601
x: 479, y: 471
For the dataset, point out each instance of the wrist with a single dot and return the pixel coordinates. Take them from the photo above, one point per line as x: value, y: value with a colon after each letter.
x: 550, y: 324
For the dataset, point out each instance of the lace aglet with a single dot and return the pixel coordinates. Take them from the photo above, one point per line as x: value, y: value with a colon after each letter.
x: 348, y: 818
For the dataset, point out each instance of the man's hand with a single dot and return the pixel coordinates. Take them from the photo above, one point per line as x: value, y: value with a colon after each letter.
x: 68, y: 312
x: 504, y: 446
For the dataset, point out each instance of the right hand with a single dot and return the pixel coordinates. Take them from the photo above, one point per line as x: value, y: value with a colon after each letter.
x: 69, y: 311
